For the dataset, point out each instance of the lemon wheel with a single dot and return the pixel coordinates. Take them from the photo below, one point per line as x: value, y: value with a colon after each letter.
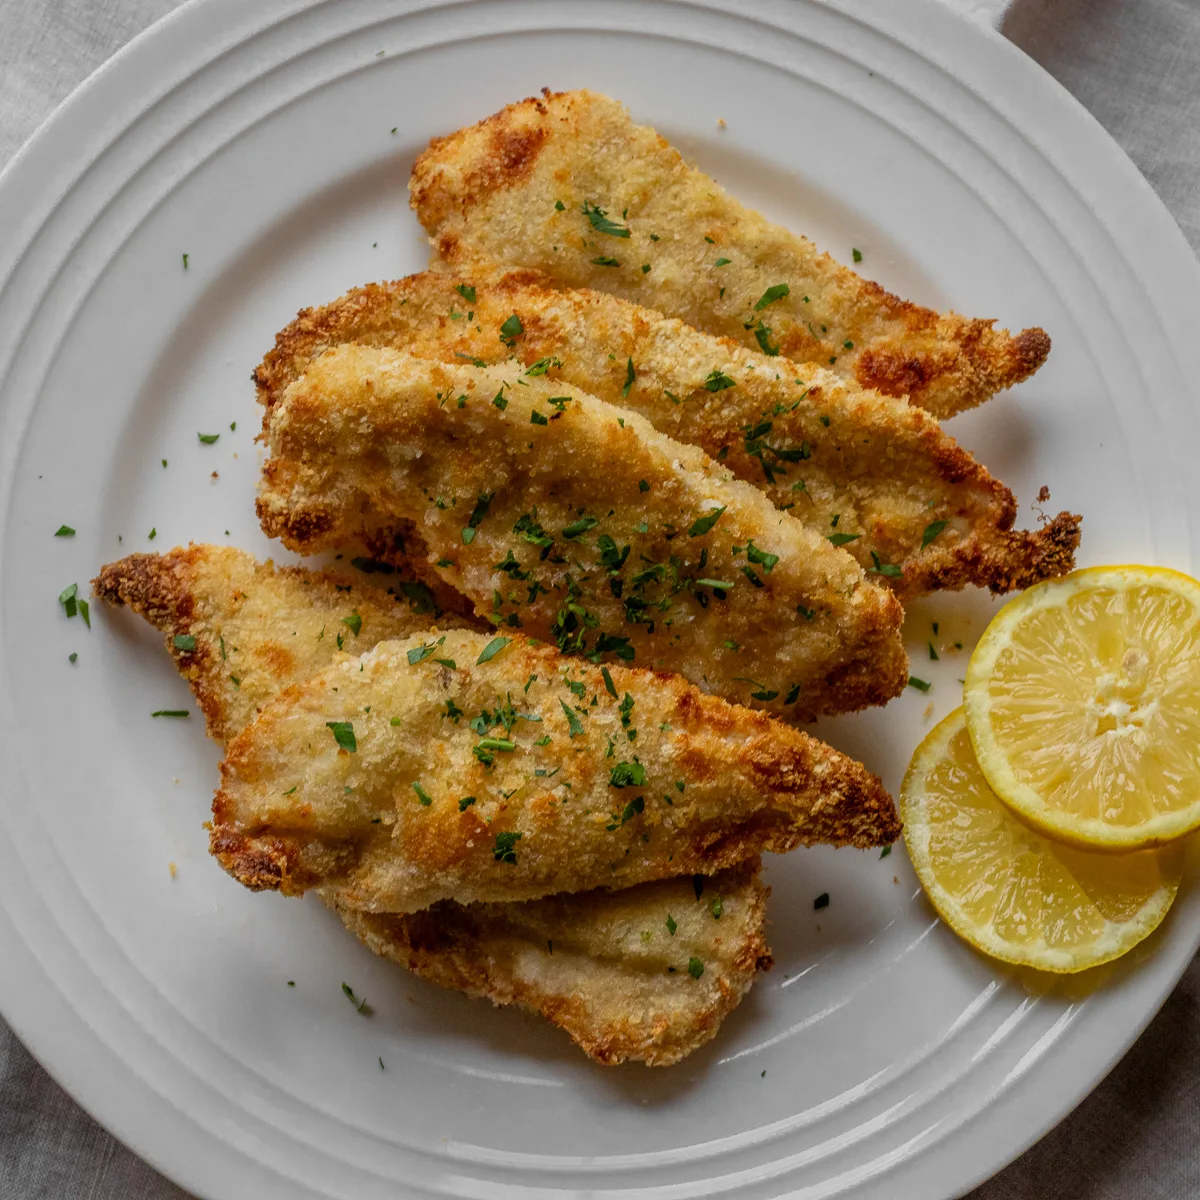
x: 1083, y: 705
x: 1007, y: 889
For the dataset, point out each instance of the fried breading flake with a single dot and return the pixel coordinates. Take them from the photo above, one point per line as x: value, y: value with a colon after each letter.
x: 240, y: 630
x: 577, y: 522
x: 567, y: 184
x: 646, y: 973
x: 595, y: 964
x: 920, y: 511
x: 480, y: 769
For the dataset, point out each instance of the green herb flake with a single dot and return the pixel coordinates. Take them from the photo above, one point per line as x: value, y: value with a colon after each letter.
x: 170, y: 712
x: 505, y: 848
x: 152, y: 534
x: 857, y: 254
x: 466, y: 291
x: 491, y: 650
x: 184, y: 641
x: 421, y: 653
x: 64, y: 531
x: 843, y: 539
x: 703, y: 525
x: 722, y: 262
x: 882, y: 568
x: 543, y: 365
x: 559, y: 206
x: 537, y: 418
x: 574, y: 724
x: 933, y: 654
x: 67, y: 598
x: 671, y: 925
x: 208, y: 438
x: 511, y: 329
x: 185, y: 262
x: 822, y: 901
x: 609, y: 687
x: 716, y: 907
x: 922, y: 685
x: 353, y: 623
x: 627, y: 774
x: 776, y: 292
x: 359, y: 1005
x: 885, y: 852
x: 717, y: 381
x: 579, y: 527
x: 695, y: 968
x: 600, y: 221
x: 343, y: 734
x: 72, y: 657
x: 931, y: 532
x: 643, y: 486
x: 605, y: 260
x: 630, y: 376
x: 85, y: 612
x: 422, y: 795
x: 765, y: 560
x: 465, y: 803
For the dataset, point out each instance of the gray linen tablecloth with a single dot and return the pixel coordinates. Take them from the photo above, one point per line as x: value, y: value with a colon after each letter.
x: 1136, y: 65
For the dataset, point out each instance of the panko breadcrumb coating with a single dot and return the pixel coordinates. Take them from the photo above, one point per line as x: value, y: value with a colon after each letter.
x: 566, y: 183
x: 922, y: 513
x: 604, y: 966
x: 480, y: 769
x: 576, y: 522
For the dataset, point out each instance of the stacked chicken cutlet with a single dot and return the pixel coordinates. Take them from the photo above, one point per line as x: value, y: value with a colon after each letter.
x: 634, y: 482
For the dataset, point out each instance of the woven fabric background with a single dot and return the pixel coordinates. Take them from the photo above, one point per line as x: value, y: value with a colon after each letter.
x: 1136, y: 65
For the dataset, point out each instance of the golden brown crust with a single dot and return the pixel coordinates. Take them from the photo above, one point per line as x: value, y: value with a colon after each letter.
x: 383, y: 826
x: 881, y: 467
x: 254, y: 627
x: 373, y: 435
x: 480, y: 202
x: 604, y: 966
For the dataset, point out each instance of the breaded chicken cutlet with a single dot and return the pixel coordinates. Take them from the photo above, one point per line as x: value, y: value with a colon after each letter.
x: 578, y: 523
x: 482, y: 769
x: 903, y: 497
x: 567, y: 184
x: 609, y: 967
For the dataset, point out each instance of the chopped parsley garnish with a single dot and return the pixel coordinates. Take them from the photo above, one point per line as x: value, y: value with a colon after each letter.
x: 578, y: 527
x: 170, y: 712
x: 152, y: 534
x: 857, y: 254
x: 630, y: 376
x: 776, y: 292
x: 183, y: 641
x: 511, y: 329
x: 537, y: 418
x: 806, y: 613
x: 505, y: 848
x: 882, y: 568
x: 531, y: 531
x: 885, y: 852
x: 671, y: 925
x: 465, y: 803
x: 343, y: 734
x: 765, y: 560
x: 418, y: 595
x: 421, y: 653
x: 185, y: 262
x: 627, y: 774
x: 703, y: 525
x: 600, y: 221
x: 933, y: 654
x: 605, y: 260
x: 422, y: 795
x: 208, y: 438
x: 762, y: 335
x: 843, y: 539
x: 67, y: 598
x: 560, y: 206
x: 722, y: 262
x: 466, y: 292
x: 718, y: 585
x: 359, y: 1005
x: 793, y: 694
x: 716, y: 907
x: 64, y: 531
x: 931, y: 531
x: 543, y: 365
x: 574, y: 724
x: 695, y: 968
x: 353, y: 623
x: 608, y: 682
x: 922, y: 685
x: 643, y: 486
x: 491, y: 650
x: 72, y: 656
x: 717, y: 381
x: 822, y: 901
x: 631, y: 810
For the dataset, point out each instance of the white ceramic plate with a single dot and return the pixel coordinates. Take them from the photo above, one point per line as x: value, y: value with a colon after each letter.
x: 271, y: 144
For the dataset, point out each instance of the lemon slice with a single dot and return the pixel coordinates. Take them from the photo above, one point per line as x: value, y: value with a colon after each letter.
x: 1083, y: 705
x: 1005, y: 888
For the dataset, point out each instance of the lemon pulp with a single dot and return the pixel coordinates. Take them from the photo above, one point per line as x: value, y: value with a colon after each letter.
x: 1083, y: 705
x: 1007, y: 889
